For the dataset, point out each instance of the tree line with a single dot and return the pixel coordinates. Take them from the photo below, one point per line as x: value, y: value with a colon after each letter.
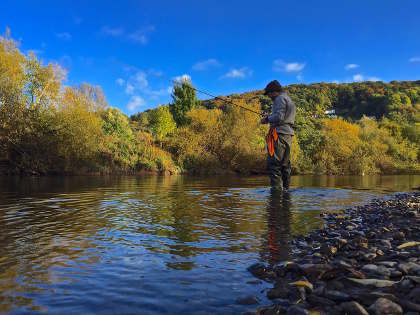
x: 46, y: 128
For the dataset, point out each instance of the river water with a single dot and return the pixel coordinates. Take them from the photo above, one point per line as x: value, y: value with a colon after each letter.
x: 156, y: 245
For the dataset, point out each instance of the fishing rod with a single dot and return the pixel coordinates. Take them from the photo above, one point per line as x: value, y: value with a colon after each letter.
x: 177, y: 82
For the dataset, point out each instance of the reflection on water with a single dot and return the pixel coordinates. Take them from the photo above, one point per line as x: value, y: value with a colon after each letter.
x: 155, y: 245
x: 278, y: 234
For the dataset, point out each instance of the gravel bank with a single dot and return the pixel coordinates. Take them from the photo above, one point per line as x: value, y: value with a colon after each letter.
x: 365, y: 260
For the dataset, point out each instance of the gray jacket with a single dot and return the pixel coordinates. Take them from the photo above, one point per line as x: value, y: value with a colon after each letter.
x: 283, y: 114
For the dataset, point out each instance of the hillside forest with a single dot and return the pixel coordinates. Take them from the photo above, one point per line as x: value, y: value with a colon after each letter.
x: 47, y: 127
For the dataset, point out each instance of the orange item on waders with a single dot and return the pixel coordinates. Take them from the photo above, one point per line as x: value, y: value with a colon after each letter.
x: 271, y: 140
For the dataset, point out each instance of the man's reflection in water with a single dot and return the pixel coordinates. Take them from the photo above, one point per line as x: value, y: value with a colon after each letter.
x: 278, y: 221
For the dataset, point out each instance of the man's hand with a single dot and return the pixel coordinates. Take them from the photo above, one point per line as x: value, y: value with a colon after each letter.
x: 264, y: 120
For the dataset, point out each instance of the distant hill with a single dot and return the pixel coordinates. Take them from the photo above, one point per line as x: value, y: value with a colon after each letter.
x: 350, y: 100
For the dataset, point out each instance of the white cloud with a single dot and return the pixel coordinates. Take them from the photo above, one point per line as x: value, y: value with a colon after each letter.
x: 135, y: 83
x: 240, y: 73
x: 299, y: 77
x: 154, y: 94
x: 182, y: 78
x: 358, y: 78
x: 140, y: 80
x: 414, y: 59
x: 138, y: 85
x: 60, y: 72
x: 138, y: 36
x: 351, y: 66
x: 282, y: 66
x: 65, y: 61
x: 120, y: 81
x: 141, y: 35
x: 155, y: 73
x: 115, y: 32
x: 129, y: 89
x: 63, y: 36
x: 135, y: 102
x: 206, y: 64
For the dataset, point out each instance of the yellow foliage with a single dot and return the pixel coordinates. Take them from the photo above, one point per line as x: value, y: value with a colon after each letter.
x: 151, y: 157
x: 341, y: 138
x: 79, y: 129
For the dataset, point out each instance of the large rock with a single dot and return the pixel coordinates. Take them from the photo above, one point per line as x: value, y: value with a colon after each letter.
x: 384, y: 306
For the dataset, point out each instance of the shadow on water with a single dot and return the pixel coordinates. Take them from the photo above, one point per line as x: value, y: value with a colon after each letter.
x: 155, y: 245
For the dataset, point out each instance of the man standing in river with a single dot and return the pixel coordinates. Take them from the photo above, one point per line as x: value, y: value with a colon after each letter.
x: 279, y: 138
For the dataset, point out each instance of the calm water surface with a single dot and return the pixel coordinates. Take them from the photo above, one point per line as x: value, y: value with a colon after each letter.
x: 156, y: 245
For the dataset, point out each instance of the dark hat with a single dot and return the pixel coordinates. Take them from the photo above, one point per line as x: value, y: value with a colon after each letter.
x: 273, y: 86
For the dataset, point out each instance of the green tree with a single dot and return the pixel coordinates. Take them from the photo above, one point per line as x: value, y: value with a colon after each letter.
x: 183, y: 100
x: 161, y: 122
x: 119, y: 146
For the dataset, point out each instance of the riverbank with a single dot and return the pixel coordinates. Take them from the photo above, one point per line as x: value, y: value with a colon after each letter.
x: 365, y: 260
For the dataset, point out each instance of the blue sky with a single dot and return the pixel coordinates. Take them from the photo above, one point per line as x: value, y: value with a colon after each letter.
x: 132, y: 48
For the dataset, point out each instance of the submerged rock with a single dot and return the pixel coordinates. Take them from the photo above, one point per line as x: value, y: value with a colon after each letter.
x: 247, y: 300
x: 258, y: 270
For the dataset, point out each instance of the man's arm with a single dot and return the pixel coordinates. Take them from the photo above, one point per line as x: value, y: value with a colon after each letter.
x: 279, y: 111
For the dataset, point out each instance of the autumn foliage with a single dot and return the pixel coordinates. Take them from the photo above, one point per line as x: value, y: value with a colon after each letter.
x: 48, y: 128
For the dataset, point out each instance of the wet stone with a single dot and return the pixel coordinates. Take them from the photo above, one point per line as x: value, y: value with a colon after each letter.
x: 377, y: 270
x: 247, y: 300
x: 353, y: 308
x: 398, y: 235
x: 389, y: 264
x: 273, y: 310
x: 337, y: 296
x: 319, y: 301
x: 415, y: 295
x: 407, y: 268
x: 386, y: 243
x: 363, y: 262
x: 258, y: 270
x: 396, y: 274
x: 369, y: 268
x: 279, y: 292
x: 369, y: 256
x: 296, y: 310
x: 384, y: 306
x: 406, y: 285
x: 409, y: 306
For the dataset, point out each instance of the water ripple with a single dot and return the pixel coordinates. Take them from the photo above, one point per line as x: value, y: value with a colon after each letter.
x: 154, y: 245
